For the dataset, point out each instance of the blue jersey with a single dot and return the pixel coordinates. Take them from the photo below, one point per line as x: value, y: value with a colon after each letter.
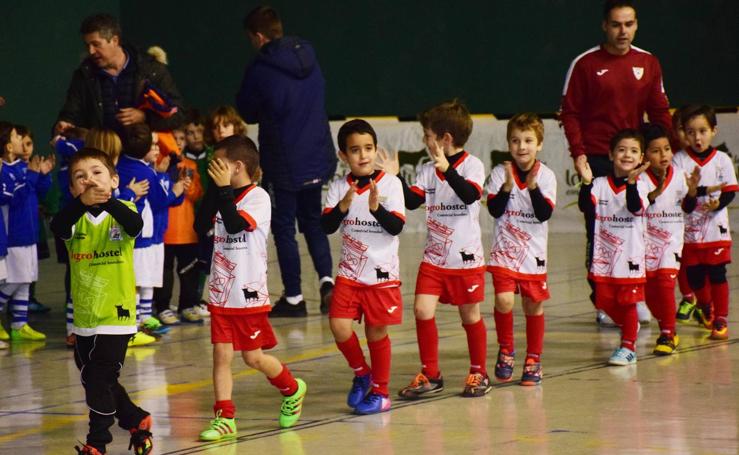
x: 21, y: 213
x: 158, y: 197
x: 6, y: 194
x: 161, y: 216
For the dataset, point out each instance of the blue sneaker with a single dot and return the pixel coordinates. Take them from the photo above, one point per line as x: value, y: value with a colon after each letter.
x: 622, y: 357
x: 504, y: 366
x: 361, y: 386
x: 372, y: 404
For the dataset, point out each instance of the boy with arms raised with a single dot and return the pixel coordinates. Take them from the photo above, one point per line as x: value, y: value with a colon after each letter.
x: 367, y: 206
x: 99, y: 232
x: 239, y: 213
x: 521, y: 198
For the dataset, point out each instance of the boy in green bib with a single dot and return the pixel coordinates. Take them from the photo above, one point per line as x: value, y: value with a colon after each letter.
x: 99, y: 232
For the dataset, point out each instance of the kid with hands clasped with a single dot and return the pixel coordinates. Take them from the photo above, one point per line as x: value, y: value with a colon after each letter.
x: 521, y: 198
x: 367, y: 207
x: 618, y: 202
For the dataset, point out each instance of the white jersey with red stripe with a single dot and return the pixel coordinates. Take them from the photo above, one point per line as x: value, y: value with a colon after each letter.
x: 369, y: 254
x: 238, y: 273
x: 454, y: 239
x: 708, y: 229
x: 519, y: 239
x: 665, y: 221
x: 618, y: 241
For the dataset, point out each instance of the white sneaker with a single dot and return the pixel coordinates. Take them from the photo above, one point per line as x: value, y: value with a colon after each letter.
x: 202, y: 310
x: 643, y: 313
x: 190, y: 315
x: 168, y: 317
x: 604, y: 320
x: 622, y: 357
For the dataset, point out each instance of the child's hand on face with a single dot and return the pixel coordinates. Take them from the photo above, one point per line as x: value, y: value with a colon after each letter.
x: 531, y: 178
x: 583, y: 169
x: 94, y: 194
x: 374, y: 196
x: 163, y: 164
x: 34, y: 164
x: 387, y: 161
x: 508, y: 184
x: 346, y: 201
x: 634, y: 174
x: 140, y: 188
x: 220, y: 172
x: 436, y: 152
x: 46, y: 165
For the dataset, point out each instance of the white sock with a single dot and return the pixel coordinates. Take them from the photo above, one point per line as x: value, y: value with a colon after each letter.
x: 325, y: 279
x: 295, y: 299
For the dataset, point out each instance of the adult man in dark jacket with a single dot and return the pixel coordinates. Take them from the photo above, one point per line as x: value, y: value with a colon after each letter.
x: 283, y: 91
x: 106, y: 89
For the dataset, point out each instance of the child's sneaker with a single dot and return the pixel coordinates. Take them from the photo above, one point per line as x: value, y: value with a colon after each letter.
x: 140, y: 339
x: 292, y: 406
x: 141, y: 438
x: 622, y: 356
x: 476, y: 385
x: 666, y: 344
x: 326, y: 291
x: 202, y: 309
x: 720, y: 330
x: 531, y: 372
x: 685, y: 309
x: 87, y: 450
x: 154, y: 326
x: 167, y: 317
x: 703, y: 316
x: 26, y: 333
x: 420, y: 386
x: 603, y: 320
x: 191, y: 315
x: 373, y: 403
x: 504, y: 366
x: 3, y: 334
x: 361, y: 386
x: 219, y: 428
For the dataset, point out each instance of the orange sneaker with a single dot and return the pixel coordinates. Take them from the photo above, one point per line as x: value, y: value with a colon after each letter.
x: 141, y: 438
x: 420, y: 386
x: 87, y: 450
x: 720, y: 330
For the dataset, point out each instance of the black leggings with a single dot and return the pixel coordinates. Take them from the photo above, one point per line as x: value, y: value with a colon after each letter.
x: 697, y: 275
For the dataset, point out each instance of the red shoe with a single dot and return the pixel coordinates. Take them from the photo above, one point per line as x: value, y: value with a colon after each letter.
x: 141, y: 437
x: 87, y: 450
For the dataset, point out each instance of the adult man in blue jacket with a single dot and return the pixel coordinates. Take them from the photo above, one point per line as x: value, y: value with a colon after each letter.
x: 283, y: 91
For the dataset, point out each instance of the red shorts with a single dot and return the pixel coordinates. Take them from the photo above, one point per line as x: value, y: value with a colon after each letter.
x: 247, y: 332
x: 536, y: 290
x: 621, y: 294
x: 692, y: 255
x: 378, y: 306
x: 662, y: 279
x: 452, y: 288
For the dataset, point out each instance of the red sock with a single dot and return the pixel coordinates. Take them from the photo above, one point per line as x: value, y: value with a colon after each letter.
x: 477, y: 344
x: 354, y: 356
x: 428, y: 346
x: 720, y: 296
x: 380, y: 355
x: 659, y: 296
x: 227, y: 408
x: 285, y: 382
x: 534, y: 336
x: 629, y: 325
x: 704, y: 296
x: 504, y: 329
x: 683, y: 283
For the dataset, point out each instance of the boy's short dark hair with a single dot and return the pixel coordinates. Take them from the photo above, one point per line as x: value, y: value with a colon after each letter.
x: 694, y: 110
x: 241, y: 148
x: 193, y: 116
x: 89, y: 153
x: 265, y: 20
x: 23, y: 131
x: 137, y: 140
x: 5, y: 129
x: 610, y: 5
x: 103, y: 23
x: 356, y: 126
x: 652, y: 131
x: 628, y: 133
x: 526, y: 121
x: 449, y: 117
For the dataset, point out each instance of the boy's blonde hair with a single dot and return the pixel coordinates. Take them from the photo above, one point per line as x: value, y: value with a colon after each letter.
x: 225, y: 114
x: 449, y: 117
x: 106, y: 141
x: 526, y: 121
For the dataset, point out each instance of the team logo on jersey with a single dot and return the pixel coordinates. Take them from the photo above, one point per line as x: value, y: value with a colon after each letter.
x: 601, y: 72
x: 123, y: 313
x: 638, y: 72
x: 382, y: 274
x: 115, y: 233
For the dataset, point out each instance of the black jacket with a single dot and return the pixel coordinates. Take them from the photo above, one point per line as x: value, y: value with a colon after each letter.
x: 84, y: 104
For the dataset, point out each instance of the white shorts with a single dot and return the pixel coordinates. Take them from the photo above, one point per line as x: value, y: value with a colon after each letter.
x: 148, y: 265
x: 3, y: 270
x: 21, y: 264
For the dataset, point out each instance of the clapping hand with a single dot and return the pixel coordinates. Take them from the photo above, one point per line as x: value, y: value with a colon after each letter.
x: 346, y: 201
x: 94, y: 194
x: 436, y: 152
x: 374, y: 196
x: 508, y: 184
x: 636, y: 172
x: 531, y: 182
x: 388, y: 161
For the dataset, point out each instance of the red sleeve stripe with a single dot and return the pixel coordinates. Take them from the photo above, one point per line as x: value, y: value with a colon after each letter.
x: 418, y: 191
x: 477, y: 187
x: 551, y: 204
x: 491, y: 197
x: 249, y: 220
x: 399, y: 215
x: 327, y: 210
x: 595, y: 202
x: 730, y: 188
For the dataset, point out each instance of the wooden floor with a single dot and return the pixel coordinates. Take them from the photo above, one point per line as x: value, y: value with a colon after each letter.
x: 683, y: 404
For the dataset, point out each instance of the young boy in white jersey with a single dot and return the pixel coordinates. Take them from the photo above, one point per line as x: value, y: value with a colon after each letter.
x: 671, y: 193
x: 618, y: 203
x: 367, y: 206
x: 521, y: 198
x: 707, y: 247
x: 99, y: 232
x: 239, y: 213
x: 453, y: 266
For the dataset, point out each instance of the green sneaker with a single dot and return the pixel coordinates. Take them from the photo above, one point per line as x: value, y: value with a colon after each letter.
x: 685, y: 310
x: 219, y: 428
x: 151, y: 323
x: 292, y: 406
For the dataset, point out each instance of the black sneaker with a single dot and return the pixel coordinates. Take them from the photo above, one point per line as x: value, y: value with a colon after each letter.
x: 283, y: 309
x: 327, y: 291
x: 421, y: 386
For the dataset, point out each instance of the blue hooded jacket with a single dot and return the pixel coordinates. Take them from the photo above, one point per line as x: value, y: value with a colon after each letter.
x: 283, y: 90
